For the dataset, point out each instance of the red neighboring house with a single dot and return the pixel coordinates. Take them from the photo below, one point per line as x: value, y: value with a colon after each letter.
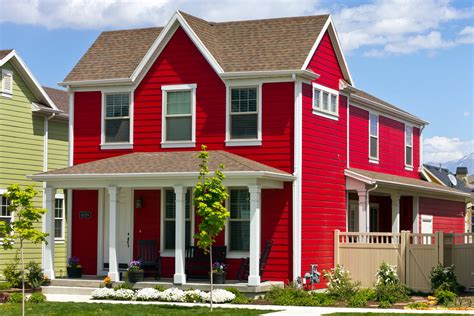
x: 305, y: 151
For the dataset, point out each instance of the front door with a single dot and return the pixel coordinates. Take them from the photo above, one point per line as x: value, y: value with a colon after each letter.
x: 146, y: 218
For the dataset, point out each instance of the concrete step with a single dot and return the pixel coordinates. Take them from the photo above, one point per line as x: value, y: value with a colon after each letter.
x: 67, y: 290
x: 77, y: 283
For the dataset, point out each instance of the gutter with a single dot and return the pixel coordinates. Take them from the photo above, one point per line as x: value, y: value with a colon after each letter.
x: 305, y: 74
x: 100, y: 82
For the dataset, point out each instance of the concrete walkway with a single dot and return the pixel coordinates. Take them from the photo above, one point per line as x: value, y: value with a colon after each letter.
x: 278, y: 310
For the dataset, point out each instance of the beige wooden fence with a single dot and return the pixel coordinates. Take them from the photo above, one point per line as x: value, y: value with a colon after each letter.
x: 413, y: 254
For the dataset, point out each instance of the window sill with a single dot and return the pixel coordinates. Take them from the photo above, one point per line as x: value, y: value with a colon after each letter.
x: 7, y: 95
x: 238, y: 254
x: 334, y: 117
x: 167, y: 253
x: 243, y: 142
x: 59, y: 241
x: 409, y: 168
x: 178, y: 144
x: 373, y: 160
x: 116, y: 146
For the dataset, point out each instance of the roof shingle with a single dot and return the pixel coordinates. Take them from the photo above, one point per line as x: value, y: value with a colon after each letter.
x: 5, y: 52
x: 59, y: 97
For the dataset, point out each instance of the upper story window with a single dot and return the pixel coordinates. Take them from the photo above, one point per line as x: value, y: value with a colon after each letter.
x: 408, y: 147
x: 373, y: 138
x: 5, y: 214
x: 244, y: 116
x: 117, y: 122
x: 169, y: 221
x: 179, y: 116
x: 325, y: 102
x: 7, y: 83
x: 59, y: 218
x: 239, y: 221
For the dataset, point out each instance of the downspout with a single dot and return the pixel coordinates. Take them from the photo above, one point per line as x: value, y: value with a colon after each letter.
x: 420, y: 163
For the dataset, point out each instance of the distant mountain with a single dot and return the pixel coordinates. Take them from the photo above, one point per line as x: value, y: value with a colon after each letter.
x: 466, y: 161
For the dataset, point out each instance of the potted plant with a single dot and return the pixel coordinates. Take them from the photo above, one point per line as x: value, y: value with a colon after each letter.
x: 74, y: 268
x: 135, y: 272
x: 219, y: 272
x: 108, y: 282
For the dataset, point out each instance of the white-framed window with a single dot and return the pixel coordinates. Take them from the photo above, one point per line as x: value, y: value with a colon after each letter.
x: 373, y: 217
x: 117, y: 120
x: 325, y: 101
x: 169, y: 220
x: 179, y: 116
x: 373, y: 138
x: 5, y: 214
x: 351, y: 216
x: 59, y: 217
x: 7, y: 83
x: 244, y: 115
x: 238, y: 228
x: 408, y: 147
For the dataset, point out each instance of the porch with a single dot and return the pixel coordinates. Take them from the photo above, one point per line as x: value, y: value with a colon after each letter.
x: 116, y: 202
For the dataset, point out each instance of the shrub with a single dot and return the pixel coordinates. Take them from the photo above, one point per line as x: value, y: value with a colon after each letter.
x: 5, y: 285
x: 159, y: 288
x: 123, y: 286
x: 297, y: 297
x: 36, y: 298
x: 13, y: 274
x: 239, y: 297
x: 445, y: 297
x: 15, y: 298
x: 361, y: 298
x: 418, y: 305
x: 444, y: 278
x: 391, y: 293
x: 340, y: 285
x: 34, y: 276
x: 385, y: 304
x: 4, y: 297
x: 193, y: 296
x: 387, y: 274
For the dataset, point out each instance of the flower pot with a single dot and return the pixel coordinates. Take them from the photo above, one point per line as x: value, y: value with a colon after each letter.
x: 108, y: 285
x: 219, y: 277
x: 74, y: 273
x: 135, y: 276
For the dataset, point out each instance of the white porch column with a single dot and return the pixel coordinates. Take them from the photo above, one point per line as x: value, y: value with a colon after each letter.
x: 395, y: 212
x: 180, y: 216
x: 255, y: 220
x: 363, y: 211
x: 416, y: 212
x: 113, y: 210
x: 48, y: 227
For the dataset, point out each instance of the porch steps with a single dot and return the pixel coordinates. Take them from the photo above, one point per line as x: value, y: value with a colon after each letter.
x: 89, y: 283
x: 68, y: 290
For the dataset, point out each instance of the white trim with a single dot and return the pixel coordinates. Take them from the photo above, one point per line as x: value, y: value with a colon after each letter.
x: 416, y: 214
x: 377, y: 117
x: 373, y: 160
x: 319, y: 110
x: 329, y: 26
x: 408, y: 166
x: 69, y: 222
x: 60, y: 196
x: 172, y: 88
x: 348, y: 141
x: 7, y: 73
x: 116, y: 145
x: 229, y: 141
x: 236, y: 254
x: 71, y: 127
x: 426, y: 218
x: 263, y: 75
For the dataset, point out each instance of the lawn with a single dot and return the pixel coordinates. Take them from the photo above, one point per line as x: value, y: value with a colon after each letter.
x: 384, y: 314
x: 54, y: 308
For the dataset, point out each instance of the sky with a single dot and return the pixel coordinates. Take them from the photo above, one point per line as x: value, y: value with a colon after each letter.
x: 415, y: 54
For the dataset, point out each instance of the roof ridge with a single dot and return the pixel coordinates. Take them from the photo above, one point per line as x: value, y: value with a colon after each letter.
x: 134, y: 29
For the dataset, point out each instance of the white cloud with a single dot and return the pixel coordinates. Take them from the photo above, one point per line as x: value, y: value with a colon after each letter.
x: 467, y: 114
x: 442, y: 149
x: 380, y: 27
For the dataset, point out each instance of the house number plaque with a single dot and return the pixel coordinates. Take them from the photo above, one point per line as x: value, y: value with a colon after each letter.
x: 84, y: 214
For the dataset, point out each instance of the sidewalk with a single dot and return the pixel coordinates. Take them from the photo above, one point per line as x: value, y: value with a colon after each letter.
x: 279, y: 310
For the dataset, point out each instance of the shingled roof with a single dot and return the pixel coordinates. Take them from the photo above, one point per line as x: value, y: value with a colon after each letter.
x: 5, y: 52
x: 59, y: 97
x: 253, y: 45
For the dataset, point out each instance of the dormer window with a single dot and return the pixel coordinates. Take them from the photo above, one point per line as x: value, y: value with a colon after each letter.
x: 408, y: 147
x: 325, y: 102
x: 7, y: 83
x: 373, y: 138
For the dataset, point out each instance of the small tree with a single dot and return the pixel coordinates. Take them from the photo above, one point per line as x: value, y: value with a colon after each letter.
x: 209, y: 197
x: 23, y: 227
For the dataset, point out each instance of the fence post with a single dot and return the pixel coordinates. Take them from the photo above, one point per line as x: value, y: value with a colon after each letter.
x: 440, y: 241
x: 404, y: 235
x: 336, y: 247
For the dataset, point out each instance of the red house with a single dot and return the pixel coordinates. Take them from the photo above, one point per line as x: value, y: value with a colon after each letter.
x: 305, y: 151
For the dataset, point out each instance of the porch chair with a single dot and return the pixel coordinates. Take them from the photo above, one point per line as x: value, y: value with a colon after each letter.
x: 150, y: 257
x: 243, y: 273
x: 197, y: 262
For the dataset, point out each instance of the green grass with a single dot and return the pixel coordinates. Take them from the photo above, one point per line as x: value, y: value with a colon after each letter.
x: 385, y: 314
x: 54, y: 308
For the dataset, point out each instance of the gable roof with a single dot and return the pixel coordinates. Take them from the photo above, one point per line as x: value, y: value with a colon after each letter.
x: 281, y: 44
x: 442, y: 174
x: 5, y: 52
x: 59, y: 97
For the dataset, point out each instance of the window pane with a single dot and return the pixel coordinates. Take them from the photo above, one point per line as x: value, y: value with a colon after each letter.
x: 325, y: 100
x: 170, y: 204
x: 239, y: 204
x: 58, y: 228
x: 179, y: 102
x: 170, y: 228
x: 373, y: 125
x: 178, y: 128
x: 333, y: 103
x: 117, y: 130
x: 4, y: 207
x: 243, y: 100
x: 58, y: 209
x: 117, y: 105
x: 244, y: 126
x: 239, y: 236
x: 187, y: 241
x: 408, y: 153
x: 316, y: 96
x: 373, y: 147
x: 408, y: 135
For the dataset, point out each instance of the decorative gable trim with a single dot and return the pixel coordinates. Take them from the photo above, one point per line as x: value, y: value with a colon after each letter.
x: 329, y: 27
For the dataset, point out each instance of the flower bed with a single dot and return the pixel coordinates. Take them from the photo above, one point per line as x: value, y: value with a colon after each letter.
x: 168, y: 295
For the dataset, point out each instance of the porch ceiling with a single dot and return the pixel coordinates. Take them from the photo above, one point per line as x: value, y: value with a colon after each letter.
x: 146, y: 168
x: 402, y: 183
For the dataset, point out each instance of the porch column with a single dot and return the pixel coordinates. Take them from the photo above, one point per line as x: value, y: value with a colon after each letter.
x: 180, y: 216
x: 113, y: 210
x: 395, y: 212
x: 48, y: 227
x: 416, y: 211
x: 255, y: 216
x: 363, y: 211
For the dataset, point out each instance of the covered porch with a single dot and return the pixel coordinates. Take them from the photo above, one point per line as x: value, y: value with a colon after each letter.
x: 115, y: 203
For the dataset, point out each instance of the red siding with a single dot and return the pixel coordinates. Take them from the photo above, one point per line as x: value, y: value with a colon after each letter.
x: 324, y: 161
x: 448, y: 216
x: 391, y: 145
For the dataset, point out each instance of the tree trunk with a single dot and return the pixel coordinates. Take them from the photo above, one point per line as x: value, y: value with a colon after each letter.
x: 211, y: 275
x: 22, y: 279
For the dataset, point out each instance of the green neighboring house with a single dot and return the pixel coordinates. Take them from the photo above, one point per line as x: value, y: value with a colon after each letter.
x: 33, y: 138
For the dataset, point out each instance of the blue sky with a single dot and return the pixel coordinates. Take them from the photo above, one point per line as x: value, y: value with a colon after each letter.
x: 416, y: 54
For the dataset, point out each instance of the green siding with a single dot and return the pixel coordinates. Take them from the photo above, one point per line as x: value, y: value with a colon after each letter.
x: 22, y: 154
